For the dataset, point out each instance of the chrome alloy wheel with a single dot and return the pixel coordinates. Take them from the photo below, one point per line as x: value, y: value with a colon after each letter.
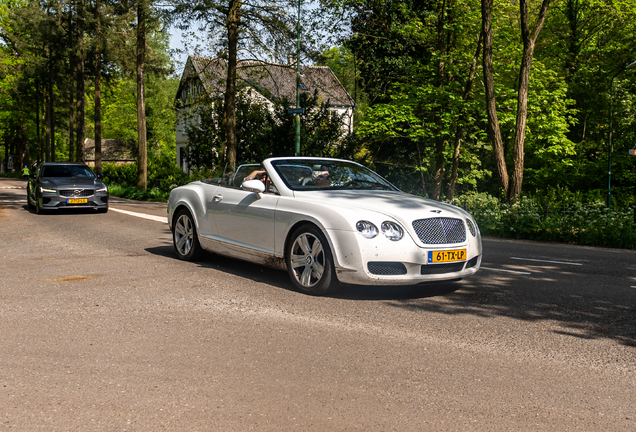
x: 184, y: 234
x: 308, y: 259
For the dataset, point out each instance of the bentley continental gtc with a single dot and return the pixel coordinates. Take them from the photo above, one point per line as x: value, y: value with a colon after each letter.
x: 324, y: 221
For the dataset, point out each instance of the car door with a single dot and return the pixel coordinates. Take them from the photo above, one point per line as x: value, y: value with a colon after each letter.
x: 244, y: 219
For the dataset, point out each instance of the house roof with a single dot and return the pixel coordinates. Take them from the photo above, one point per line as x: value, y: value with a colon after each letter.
x: 272, y: 80
x: 112, y: 150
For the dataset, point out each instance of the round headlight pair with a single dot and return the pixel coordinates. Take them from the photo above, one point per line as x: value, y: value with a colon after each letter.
x: 391, y: 230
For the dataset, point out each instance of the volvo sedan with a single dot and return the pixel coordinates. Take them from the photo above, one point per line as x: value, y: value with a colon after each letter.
x: 66, y: 185
x: 324, y: 221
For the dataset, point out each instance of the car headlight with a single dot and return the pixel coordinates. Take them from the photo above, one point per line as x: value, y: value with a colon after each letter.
x: 104, y: 189
x: 46, y: 190
x: 392, y: 231
x: 471, y: 227
x: 367, y: 229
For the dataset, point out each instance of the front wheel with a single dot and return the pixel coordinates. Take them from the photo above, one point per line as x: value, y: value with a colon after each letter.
x: 184, y: 237
x: 310, y: 263
x: 38, y: 208
x: 29, y: 202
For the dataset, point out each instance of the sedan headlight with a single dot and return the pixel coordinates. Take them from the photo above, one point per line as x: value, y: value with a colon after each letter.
x: 104, y: 189
x: 367, y: 229
x: 392, y: 231
x: 46, y: 190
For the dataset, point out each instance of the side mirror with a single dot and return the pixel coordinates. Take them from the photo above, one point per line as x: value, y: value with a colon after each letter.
x: 100, y: 176
x: 256, y: 186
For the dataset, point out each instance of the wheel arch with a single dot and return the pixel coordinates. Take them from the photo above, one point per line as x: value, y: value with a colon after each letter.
x: 183, y: 206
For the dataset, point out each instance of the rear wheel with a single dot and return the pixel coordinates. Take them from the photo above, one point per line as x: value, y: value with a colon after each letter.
x: 310, y: 263
x: 184, y: 237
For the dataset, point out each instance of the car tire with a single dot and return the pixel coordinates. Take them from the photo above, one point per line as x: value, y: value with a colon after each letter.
x: 38, y: 208
x: 29, y: 202
x: 184, y: 237
x: 102, y: 210
x: 310, y: 263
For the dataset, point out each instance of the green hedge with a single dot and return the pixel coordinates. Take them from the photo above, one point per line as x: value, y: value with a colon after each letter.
x: 589, y: 224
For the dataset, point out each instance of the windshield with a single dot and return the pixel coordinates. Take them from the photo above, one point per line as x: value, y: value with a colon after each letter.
x: 67, y: 171
x: 327, y: 174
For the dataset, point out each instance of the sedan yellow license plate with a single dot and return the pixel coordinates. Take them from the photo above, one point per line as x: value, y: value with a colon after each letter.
x: 77, y: 201
x: 446, y: 256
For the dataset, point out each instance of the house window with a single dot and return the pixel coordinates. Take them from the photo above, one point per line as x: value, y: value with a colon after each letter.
x: 303, y: 86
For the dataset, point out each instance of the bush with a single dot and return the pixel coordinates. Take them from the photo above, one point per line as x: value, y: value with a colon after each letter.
x: 589, y: 224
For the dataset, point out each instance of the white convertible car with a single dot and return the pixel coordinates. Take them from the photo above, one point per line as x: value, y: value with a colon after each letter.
x: 325, y: 221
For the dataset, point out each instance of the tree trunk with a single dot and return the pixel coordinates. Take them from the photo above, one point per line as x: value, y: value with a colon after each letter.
x: 72, y: 66
x: 142, y: 160
x: 529, y: 39
x: 459, y: 132
x: 440, y: 142
x: 98, y: 90
x: 71, y: 119
x: 47, y: 117
x: 494, y: 131
x: 52, y: 116
x: 233, y: 21
x: 38, y: 131
x: 81, y: 96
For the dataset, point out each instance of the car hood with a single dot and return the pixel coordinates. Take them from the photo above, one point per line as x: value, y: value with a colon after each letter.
x: 399, y: 205
x: 71, y: 182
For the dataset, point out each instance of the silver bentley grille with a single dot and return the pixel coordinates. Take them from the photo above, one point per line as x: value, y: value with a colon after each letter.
x: 77, y: 192
x: 440, y: 230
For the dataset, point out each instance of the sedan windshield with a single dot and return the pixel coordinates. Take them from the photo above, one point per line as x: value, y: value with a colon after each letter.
x: 67, y: 171
x: 327, y: 174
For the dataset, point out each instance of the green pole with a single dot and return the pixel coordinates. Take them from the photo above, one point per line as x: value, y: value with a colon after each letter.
x: 298, y: 85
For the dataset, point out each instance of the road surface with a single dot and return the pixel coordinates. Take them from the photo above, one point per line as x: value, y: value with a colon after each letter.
x: 102, y: 328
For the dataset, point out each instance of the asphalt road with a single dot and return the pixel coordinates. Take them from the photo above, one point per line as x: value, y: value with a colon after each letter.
x: 102, y: 328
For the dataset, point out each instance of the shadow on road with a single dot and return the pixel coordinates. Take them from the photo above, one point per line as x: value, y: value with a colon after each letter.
x: 280, y: 279
x: 583, y: 313
x: 588, y: 313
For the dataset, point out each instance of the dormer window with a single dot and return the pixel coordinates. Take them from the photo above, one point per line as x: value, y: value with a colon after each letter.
x: 303, y: 86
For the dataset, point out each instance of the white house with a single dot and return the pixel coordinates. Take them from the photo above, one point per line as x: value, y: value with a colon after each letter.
x: 265, y: 82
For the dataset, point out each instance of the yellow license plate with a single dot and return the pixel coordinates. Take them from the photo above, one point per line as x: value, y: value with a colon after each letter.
x: 77, y: 201
x: 446, y: 256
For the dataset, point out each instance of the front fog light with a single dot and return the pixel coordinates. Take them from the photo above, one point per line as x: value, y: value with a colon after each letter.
x: 392, y: 231
x: 367, y: 229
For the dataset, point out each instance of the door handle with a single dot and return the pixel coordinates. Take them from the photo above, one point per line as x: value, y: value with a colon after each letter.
x: 217, y: 198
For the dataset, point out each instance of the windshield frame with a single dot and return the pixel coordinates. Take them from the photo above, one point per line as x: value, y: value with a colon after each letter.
x: 343, y: 174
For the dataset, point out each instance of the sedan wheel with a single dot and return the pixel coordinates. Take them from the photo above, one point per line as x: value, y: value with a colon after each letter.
x: 38, y: 208
x: 29, y: 201
x: 309, y: 262
x: 184, y: 236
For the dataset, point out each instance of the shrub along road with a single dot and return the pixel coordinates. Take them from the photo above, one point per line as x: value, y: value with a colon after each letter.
x: 102, y: 328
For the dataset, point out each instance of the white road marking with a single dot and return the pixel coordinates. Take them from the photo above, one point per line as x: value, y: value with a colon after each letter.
x: 507, y: 271
x: 142, y: 215
x: 547, y: 261
x: 13, y: 201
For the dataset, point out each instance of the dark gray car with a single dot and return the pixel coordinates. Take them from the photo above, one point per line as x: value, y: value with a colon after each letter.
x: 65, y: 185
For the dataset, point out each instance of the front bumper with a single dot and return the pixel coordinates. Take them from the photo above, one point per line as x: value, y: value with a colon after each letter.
x: 380, y: 261
x: 53, y: 201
